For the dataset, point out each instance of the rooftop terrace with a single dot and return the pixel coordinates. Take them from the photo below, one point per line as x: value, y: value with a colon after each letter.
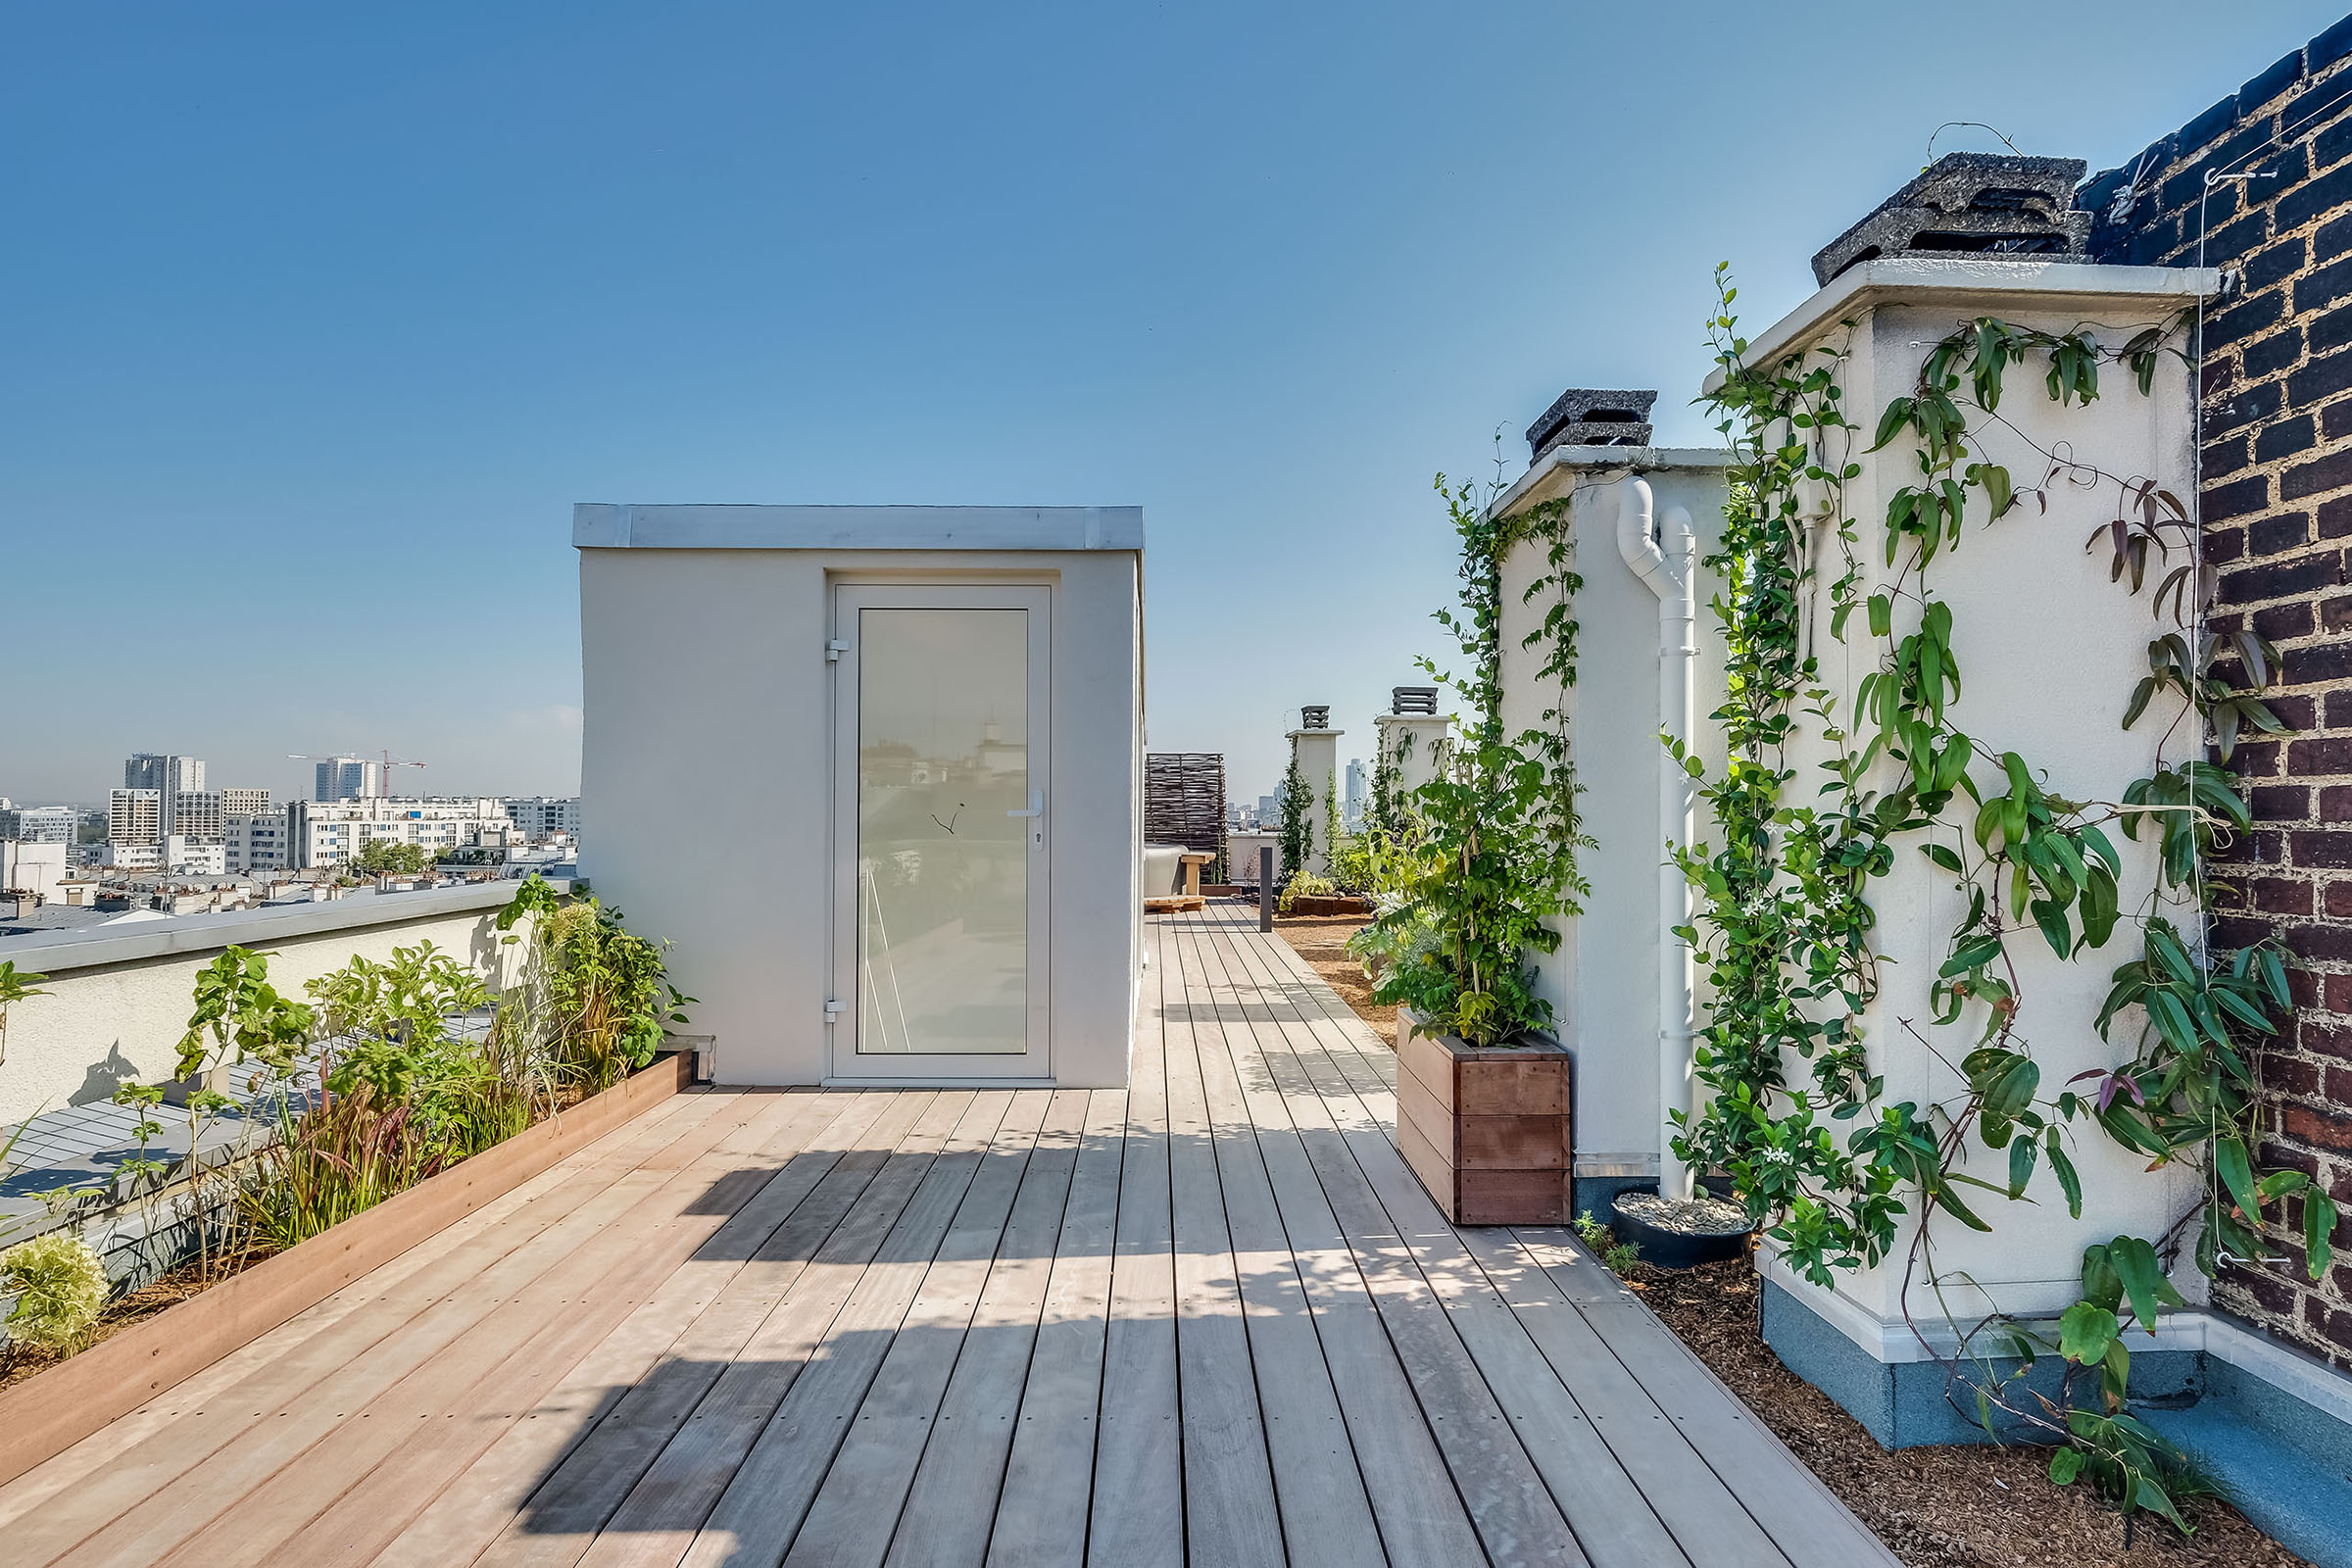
x: 1211, y: 1318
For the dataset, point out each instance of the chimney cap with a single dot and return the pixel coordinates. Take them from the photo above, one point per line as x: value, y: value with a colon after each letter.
x: 1584, y: 415
x: 1315, y: 715
x: 1997, y: 203
x: 1412, y: 700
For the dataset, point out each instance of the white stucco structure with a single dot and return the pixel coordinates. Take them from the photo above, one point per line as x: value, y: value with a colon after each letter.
x: 1602, y: 981
x: 2049, y: 651
x: 717, y: 655
x: 1412, y: 741
x: 1317, y: 753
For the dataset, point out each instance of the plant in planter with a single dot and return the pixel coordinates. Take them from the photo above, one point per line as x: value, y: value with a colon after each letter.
x: 15, y: 986
x: 1484, y: 1094
x: 61, y: 1288
x: 239, y: 1015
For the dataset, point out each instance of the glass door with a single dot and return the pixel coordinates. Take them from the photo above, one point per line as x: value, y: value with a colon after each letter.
x: 941, y: 768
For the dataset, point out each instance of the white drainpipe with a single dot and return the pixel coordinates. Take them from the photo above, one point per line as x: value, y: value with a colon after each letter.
x: 1664, y: 564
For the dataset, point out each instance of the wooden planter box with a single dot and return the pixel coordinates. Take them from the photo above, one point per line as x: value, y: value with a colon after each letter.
x: 1487, y: 1129
x: 1335, y: 903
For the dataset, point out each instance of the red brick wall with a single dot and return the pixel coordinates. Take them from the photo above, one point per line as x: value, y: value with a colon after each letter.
x: 2278, y: 513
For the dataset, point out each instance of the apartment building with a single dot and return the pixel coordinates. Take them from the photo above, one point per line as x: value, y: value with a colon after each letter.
x: 348, y: 778
x: 544, y: 816
x: 169, y: 777
x: 253, y: 843
x: 37, y: 824
x: 134, y: 818
x: 244, y: 802
x: 326, y: 833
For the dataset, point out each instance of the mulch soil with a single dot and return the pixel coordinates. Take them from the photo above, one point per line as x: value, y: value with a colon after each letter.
x: 1974, y: 1506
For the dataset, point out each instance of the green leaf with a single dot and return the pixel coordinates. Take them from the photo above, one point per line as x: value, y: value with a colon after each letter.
x: 2022, y: 1155
x: 2069, y: 1181
x: 2065, y: 1465
x: 1998, y: 490
x: 2318, y: 1227
x: 1898, y: 415
x: 1882, y: 616
x: 2134, y: 1263
x: 2238, y: 1174
x: 2085, y: 1332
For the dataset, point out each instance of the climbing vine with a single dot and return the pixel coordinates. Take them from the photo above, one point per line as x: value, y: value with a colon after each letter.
x: 1296, y: 840
x: 1495, y: 829
x: 1842, y: 1178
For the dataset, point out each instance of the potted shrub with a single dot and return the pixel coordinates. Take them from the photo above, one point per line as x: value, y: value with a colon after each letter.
x: 1485, y: 1095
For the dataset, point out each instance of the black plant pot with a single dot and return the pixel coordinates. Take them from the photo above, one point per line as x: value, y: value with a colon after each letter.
x: 1676, y: 1249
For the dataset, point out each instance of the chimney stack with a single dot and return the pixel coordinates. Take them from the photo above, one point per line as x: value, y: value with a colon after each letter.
x: 1586, y: 417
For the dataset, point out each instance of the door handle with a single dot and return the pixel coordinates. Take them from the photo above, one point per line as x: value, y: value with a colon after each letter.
x: 1036, y: 805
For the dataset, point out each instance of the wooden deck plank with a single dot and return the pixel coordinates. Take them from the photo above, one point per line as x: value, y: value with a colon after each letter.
x: 183, y: 1476
x: 1708, y: 1522
x: 1600, y: 1487
x: 1209, y: 1319
x: 667, y: 1278
x: 1325, y: 1517
x: 1801, y: 1514
x: 1616, y: 1524
x: 1230, y: 1515
x: 961, y: 1472
x: 856, y: 1507
x: 767, y: 1499
x: 1420, y: 1514
x: 580, y: 1449
x: 1754, y: 1470
x: 275, y: 1350
x: 656, y: 1522
x: 531, y: 1339
x: 1041, y: 1511
x: 1503, y: 1483
x: 115, y: 1468
x: 1136, y: 1518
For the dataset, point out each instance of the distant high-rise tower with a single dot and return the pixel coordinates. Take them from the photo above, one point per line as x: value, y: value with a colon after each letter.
x: 169, y: 776
x: 349, y: 778
x: 1357, y: 794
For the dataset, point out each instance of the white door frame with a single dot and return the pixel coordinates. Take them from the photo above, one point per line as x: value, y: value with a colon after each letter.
x: 843, y: 1063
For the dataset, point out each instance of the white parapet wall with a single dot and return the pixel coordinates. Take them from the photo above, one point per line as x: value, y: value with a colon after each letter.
x: 1602, y: 981
x: 116, y: 998
x: 2049, y: 651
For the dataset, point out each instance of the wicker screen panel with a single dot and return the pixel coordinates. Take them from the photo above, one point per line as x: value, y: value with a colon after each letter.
x: 1184, y: 801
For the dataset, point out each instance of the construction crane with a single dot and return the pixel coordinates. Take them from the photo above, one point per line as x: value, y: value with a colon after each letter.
x: 387, y: 762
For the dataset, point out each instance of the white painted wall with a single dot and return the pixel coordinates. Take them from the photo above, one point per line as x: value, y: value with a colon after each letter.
x: 705, y: 679
x: 1602, y: 981
x: 1317, y: 753
x: 118, y: 998
x: 2049, y: 651
x: 1240, y: 855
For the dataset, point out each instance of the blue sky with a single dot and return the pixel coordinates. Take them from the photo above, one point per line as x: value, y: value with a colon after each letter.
x: 314, y: 321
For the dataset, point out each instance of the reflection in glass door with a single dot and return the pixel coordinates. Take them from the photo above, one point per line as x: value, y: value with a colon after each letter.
x: 948, y: 828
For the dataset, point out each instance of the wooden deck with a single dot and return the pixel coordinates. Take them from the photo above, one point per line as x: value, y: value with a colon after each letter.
x: 1210, y: 1319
